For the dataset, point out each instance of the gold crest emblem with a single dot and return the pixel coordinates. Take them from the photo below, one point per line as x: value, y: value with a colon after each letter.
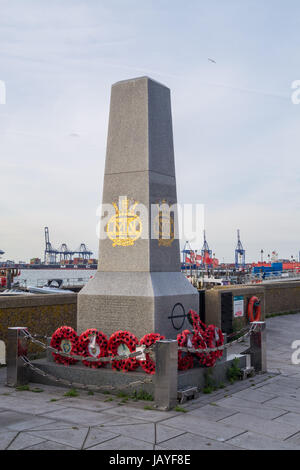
x: 125, y: 227
x: 164, y: 225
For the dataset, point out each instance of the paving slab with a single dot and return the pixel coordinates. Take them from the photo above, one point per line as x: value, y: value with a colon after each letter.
x: 24, y: 440
x: 51, y: 426
x: 72, y: 436
x: 214, y: 412
x: 147, y: 415
x: 118, y: 420
x: 98, y: 435
x: 294, y: 441
x: 255, y: 396
x: 123, y: 443
x: 191, y: 441
x: 203, y: 427
x: 84, y: 417
x: 92, y: 404
x: 27, y: 406
x: 249, y: 407
x: 14, y: 421
x: 289, y: 382
x: 287, y: 404
x: 280, y: 390
x: 289, y: 418
x: 267, y: 427
x: 49, y: 445
x: 144, y: 431
x: 255, y: 441
x: 6, y: 438
x: 164, y: 433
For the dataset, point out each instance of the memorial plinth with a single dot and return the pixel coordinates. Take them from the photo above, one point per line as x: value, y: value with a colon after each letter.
x: 138, y: 285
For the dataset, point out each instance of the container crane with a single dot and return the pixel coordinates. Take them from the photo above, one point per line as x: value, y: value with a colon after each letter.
x: 64, y: 252
x: 206, y: 252
x: 239, y: 253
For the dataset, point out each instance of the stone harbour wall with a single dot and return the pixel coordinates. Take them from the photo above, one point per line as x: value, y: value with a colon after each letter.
x: 41, y: 314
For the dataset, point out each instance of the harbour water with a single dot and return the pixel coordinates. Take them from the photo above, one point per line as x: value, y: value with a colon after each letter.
x: 36, y: 277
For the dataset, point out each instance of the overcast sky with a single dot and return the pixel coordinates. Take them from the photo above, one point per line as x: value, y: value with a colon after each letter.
x: 236, y: 131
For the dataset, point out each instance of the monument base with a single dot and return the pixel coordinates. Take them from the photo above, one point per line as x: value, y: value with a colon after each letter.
x: 140, y: 302
x: 103, y: 377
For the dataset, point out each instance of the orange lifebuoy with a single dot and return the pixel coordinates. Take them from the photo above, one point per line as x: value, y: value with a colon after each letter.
x: 254, y: 307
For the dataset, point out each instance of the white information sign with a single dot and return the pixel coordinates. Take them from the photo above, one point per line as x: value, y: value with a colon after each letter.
x: 238, y: 306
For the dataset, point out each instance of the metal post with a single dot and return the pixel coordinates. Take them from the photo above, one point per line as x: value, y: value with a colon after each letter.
x: 257, y: 349
x: 223, y: 358
x: 166, y: 378
x: 16, y: 348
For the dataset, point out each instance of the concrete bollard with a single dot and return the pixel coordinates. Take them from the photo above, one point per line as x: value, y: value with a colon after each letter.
x: 166, y: 375
x: 258, y: 350
x: 16, y: 372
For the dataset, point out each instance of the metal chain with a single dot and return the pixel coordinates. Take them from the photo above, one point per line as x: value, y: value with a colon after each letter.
x: 235, y: 333
x: 78, y: 385
x: 218, y: 348
x: 29, y: 337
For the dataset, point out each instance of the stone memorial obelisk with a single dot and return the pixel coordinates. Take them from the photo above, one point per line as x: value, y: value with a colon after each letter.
x: 138, y: 286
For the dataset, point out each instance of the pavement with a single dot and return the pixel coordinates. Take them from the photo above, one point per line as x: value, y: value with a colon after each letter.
x: 262, y: 412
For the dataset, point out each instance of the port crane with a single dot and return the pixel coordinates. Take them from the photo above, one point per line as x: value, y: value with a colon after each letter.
x: 50, y: 252
x: 206, y: 252
x: 187, y: 252
x: 64, y: 253
x: 239, y: 253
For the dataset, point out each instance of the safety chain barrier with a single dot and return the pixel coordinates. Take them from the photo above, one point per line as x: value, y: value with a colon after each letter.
x: 236, y: 333
x: 135, y: 354
x: 78, y: 385
x: 218, y: 348
x: 28, y: 336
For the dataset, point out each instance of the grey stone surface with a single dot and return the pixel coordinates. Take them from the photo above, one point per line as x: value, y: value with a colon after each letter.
x: 72, y: 436
x: 24, y: 440
x: 294, y: 441
x: 258, y: 347
x: 257, y: 441
x: 138, y: 285
x: 289, y: 418
x: 147, y: 415
x: 86, y: 375
x: 143, y: 432
x: 98, y: 435
x: 249, y: 407
x: 141, y: 302
x: 203, y: 427
x: 284, y: 403
x: 165, y: 433
x: 258, y: 413
x: 255, y: 396
x: 6, y: 438
x: 214, y: 412
x: 14, y: 421
x: 263, y: 426
x: 196, y: 376
x: 74, y: 415
x: 166, y: 377
x: 16, y: 372
x: 49, y: 445
x: 191, y: 441
x: 123, y: 443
